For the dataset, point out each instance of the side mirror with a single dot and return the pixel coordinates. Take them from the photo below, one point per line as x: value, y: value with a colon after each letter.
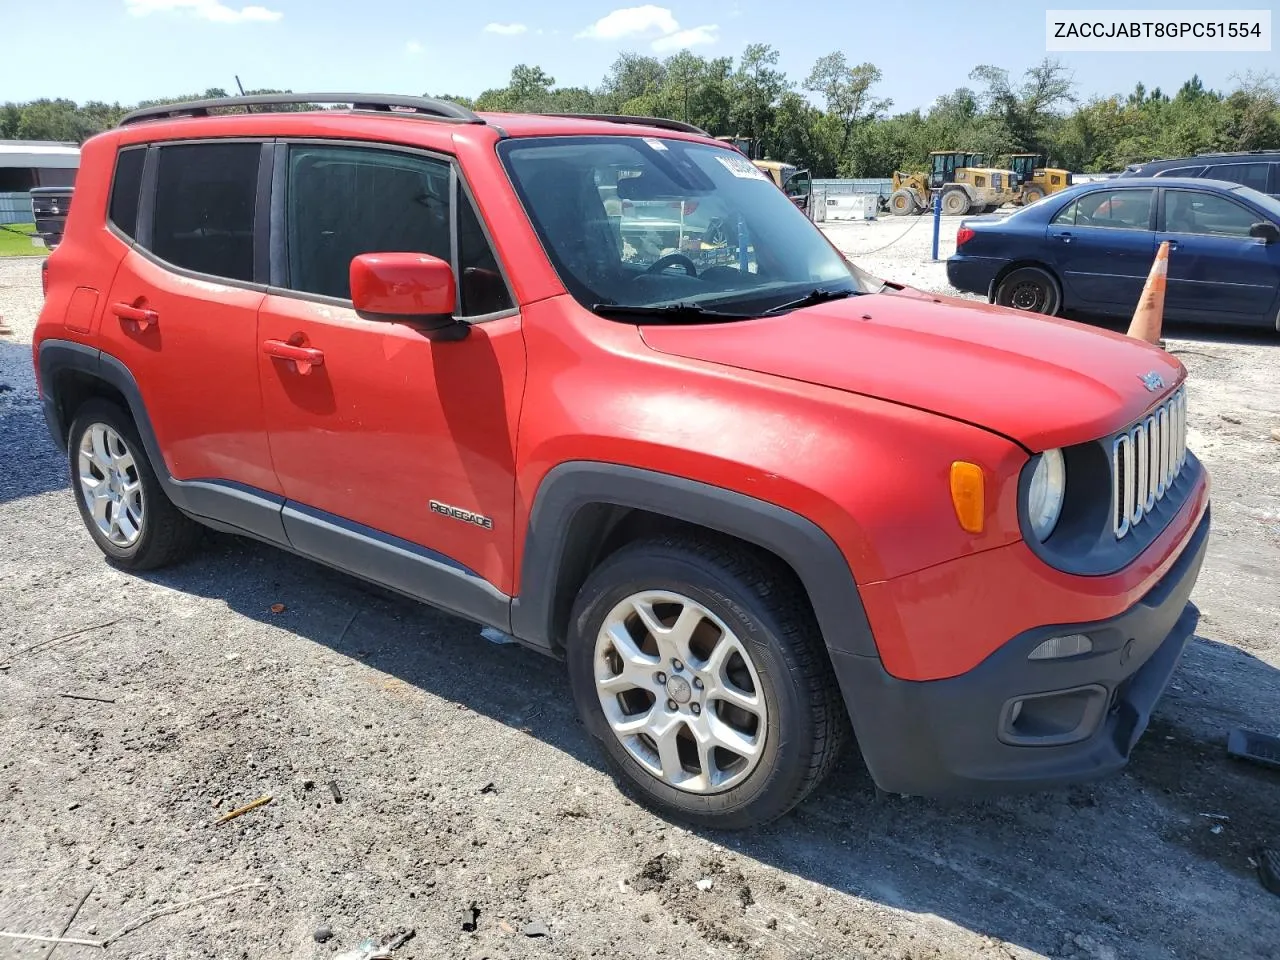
x: 403, y: 286
x: 1265, y: 231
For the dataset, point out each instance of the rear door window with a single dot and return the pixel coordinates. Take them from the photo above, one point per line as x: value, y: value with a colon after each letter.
x: 205, y: 207
x: 1113, y: 209
x: 1250, y: 174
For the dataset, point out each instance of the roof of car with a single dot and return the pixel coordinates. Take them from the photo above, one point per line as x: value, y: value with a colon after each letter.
x: 1129, y: 183
x: 398, y: 106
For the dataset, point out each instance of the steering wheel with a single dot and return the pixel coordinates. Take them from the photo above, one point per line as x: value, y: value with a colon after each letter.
x: 672, y: 260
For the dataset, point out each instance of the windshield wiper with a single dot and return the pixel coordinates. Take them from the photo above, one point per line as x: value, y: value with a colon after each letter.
x: 673, y: 312
x: 818, y: 295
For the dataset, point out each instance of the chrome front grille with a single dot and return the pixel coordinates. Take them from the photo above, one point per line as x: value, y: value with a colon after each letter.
x: 1146, y: 461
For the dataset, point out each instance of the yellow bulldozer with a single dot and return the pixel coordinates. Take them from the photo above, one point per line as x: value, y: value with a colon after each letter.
x: 1034, y: 179
x: 965, y: 185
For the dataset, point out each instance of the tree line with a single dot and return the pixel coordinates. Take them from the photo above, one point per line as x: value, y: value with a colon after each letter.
x: 835, y: 121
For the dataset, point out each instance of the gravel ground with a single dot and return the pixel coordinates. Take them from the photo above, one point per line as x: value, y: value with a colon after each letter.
x: 465, y: 779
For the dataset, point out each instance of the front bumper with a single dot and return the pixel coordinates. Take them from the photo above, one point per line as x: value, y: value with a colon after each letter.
x: 964, y: 736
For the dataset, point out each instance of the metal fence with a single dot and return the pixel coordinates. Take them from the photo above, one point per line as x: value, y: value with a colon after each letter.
x: 15, y: 208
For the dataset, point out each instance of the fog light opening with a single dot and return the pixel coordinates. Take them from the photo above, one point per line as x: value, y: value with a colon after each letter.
x: 1059, y: 648
x: 1053, y: 719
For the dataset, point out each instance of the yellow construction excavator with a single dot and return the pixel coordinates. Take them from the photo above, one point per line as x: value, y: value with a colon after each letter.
x: 966, y: 186
x: 1035, y: 180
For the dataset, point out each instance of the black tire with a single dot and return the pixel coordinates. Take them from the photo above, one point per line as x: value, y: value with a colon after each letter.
x: 766, y: 608
x: 902, y: 203
x: 166, y: 535
x: 1031, y: 289
x: 1032, y: 195
x: 955, y: 202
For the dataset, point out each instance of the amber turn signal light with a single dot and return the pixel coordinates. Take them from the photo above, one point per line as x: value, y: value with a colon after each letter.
x: 968, y: 495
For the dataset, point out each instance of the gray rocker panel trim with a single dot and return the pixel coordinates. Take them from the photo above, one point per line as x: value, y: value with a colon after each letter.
x: 353, y: 548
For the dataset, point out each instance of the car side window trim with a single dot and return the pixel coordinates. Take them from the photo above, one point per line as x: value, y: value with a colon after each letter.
x: 462, y: 192
x: 147, y: 212
x: 147, y: 201
x: 278, y: 279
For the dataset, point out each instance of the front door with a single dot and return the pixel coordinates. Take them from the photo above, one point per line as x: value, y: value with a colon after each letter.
x: 1103, y: 246
x: 183, y: 312
x: 1216, y: 270
x: 396, y: 449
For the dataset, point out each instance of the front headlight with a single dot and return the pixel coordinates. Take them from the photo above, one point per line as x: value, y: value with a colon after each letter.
x: 1046, y: 492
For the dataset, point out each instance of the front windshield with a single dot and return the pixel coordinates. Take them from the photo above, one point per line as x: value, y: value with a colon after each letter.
x: 646, y: 222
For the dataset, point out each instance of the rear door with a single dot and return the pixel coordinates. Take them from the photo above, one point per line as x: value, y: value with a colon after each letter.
x: 1103, y: 244
x: 1216, y: 270
x: 183, y: 310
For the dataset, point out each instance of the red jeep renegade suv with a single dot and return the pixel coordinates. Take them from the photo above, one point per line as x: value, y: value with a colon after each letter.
x: 597, y: 382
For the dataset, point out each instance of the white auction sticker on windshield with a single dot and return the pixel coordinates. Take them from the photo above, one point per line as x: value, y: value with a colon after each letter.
x: 742, y: 168
x: 656, y: 144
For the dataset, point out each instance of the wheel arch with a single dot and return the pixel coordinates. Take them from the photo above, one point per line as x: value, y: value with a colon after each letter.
x: 1013, y: 265
x: 93, y: 372
x: 585, y: 510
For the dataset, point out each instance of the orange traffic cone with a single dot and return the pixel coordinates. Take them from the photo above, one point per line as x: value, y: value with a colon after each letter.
x: 1149, y: 316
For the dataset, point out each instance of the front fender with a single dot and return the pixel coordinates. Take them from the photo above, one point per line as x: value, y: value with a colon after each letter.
x: 572, y: 487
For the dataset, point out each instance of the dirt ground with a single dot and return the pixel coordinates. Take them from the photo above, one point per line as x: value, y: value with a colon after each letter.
x: 473, y: 805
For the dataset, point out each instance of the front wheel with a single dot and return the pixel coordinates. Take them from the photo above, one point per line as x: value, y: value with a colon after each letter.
x: 701, y: 670
x: 1031, y: 289
x: 902, y: 203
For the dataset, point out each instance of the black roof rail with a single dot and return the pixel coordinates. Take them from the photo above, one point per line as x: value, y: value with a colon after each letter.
x: 387, y: 103
x: 1237, y: 153
x: 659, y: 122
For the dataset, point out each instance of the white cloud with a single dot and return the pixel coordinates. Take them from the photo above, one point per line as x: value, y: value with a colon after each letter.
x: 213, y: 10
x: 632, y: 22
x: 683, y: 39
x: 413, y: 47
x: 506, y: 29
x: 647, y: 21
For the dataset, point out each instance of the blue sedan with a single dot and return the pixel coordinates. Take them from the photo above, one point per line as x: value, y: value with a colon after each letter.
x: 1090, y: 247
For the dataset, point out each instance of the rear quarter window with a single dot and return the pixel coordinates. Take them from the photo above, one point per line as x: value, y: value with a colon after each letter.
x: 126, y: 187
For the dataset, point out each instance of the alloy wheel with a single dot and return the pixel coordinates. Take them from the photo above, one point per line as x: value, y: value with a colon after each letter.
x: 110, y: 484
x: 680, y: 692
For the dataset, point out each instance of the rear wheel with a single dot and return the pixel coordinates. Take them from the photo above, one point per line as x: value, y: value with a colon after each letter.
x: 1031, y: 289
x: 119, y: 497
x: 902, y: 203
x: 1032, y: 194
x: 955, y: 203
x: 701, y: 670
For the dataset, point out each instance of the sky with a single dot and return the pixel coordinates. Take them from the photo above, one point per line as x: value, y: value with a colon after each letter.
x: 130, y: 50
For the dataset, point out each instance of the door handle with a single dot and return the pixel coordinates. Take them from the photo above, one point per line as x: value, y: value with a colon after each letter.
x: 1173, y: 244
x: 142, y: 316
x: 1064, y: 237
x: 304, y: 357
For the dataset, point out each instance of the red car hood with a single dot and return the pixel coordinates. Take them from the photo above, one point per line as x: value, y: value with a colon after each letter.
x: 1040, y: 381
